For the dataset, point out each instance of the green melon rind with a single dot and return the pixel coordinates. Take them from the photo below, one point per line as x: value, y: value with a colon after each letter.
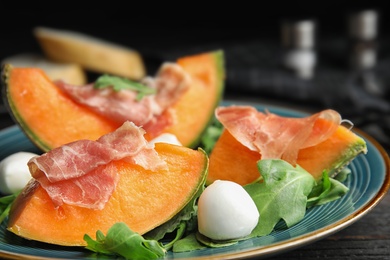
x: 351, y: 152
x: 13, y: 110
x: 219, y: 58
x: 186, y: 213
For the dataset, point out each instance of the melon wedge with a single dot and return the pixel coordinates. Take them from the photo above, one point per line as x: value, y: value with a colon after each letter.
x: 46, y: 115
x: 195, y: 109
x: 143, y: 200
x: 230, y: 160
x: 50, y: 118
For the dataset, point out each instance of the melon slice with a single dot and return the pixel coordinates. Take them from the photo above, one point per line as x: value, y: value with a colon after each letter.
x: 230, y: 160
x: 50, y: 118
x: 46, y: 115
x: 195, y: 109
x: 143, y: 199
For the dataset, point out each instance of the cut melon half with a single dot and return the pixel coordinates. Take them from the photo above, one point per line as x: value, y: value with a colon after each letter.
x: 195, y: 109
x: 143, y: 199
x: 230, y: 160
x: 50, y: 118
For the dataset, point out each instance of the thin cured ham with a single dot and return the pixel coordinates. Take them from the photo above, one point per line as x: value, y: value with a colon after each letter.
x: 171, y: 82
x: 273, y: 136
x: 80, y: 173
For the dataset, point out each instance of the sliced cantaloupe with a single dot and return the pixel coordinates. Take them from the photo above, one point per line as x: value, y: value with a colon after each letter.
x: 142, y: 199
x: 195, y: 109
x: 50, y: 118
x: 230, y: 160
x: 47, y: 115
x: 333, y: 154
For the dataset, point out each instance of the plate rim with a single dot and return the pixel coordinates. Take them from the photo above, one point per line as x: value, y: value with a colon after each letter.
x: 294, y: 242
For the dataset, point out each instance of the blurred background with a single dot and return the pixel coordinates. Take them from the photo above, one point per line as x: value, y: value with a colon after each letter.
x: 306, y: 54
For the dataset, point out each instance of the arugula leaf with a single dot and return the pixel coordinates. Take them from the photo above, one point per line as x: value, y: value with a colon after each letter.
x: 180, y: 231
x: 343, y: 174
x: 211, y: 135
x: 282, y: 195
x: 121, y: 240
x: 188, y: 214
x: 5, y: 205
x: 118, y: 83
x: 216, y: 243
x: 188, y: 243
x: 327, y: 190
x: 320, y: 190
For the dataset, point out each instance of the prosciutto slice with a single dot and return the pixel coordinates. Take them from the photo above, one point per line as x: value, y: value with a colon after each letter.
x: 80, y: 173
x: 273, y: 136
x: 171, y: 82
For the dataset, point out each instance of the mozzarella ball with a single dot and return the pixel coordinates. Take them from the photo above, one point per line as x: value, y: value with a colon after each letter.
x: 226, y: 211
x: 14, y: 172
x: 166, y: 138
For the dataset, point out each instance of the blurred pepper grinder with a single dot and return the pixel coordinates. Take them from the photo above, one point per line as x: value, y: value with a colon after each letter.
x: 363, y: 48
x: 298, y: 40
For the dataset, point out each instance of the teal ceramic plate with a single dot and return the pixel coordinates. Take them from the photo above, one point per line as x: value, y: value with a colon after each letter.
x: 368, y: 183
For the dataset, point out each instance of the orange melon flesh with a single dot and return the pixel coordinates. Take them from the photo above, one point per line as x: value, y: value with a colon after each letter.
x: 50, y: 118
x: 230, y: 160
x: 47, y: 115
x: 196, y: 108
x: 142, y: 199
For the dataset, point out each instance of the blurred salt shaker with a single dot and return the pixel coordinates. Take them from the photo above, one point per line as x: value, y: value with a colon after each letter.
x: 298, y: 42
x: 363, y: 47
x: 362, y: 27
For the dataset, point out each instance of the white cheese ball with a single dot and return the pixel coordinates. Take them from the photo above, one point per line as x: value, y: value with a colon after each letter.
x: 226, y: 211
x: 166, y: 138
x: 14, y: 172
